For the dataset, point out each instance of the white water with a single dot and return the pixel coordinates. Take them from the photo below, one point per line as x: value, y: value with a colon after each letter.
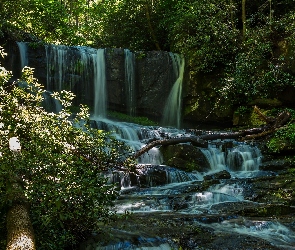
x: 271, y: 231
x: 56, y: 56
x: 172, y: 110
x: 130, y: 81
x: 78, y: 67
x: 244, y: 158
x: 175, y: 197
x: 133, y: 135
x: 241, y: 161
x: 215, y: 158
x: 196, y: 203
x: 23, y: 50
x: 214, y: 195
x: 100, y: 94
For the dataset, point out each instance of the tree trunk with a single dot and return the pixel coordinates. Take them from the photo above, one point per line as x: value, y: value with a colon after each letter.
x: 232, y: 14
x: 152, y: 32
x: 20, y: 234
x: 244, y: 17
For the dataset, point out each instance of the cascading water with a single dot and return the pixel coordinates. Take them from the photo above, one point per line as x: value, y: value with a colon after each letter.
x: 244, y: 158
x: 23, y: 49
x: 179, y: 193
x: 80, y: 70
x: 274, y: 232
x: 240, y: 160
x: 172, y: 109
x: 100, y: 95
x: 134, y: 135
x: 56, y: 56
x: 130, y: 81
x: 215, y: 158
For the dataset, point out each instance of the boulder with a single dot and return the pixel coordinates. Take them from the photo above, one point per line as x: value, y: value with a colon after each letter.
x: 275, y: 165
x: 185, y: 157
x: 218, y: 176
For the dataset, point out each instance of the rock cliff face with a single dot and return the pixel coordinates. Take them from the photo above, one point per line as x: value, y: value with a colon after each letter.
x: 153, y: 75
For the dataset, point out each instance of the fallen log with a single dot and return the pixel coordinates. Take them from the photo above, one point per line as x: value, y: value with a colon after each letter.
x: 172, y: 141
x: 272, y: 124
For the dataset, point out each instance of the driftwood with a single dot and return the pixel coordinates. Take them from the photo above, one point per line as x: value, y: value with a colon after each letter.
x: 272, y: 124
x: 196, y: 141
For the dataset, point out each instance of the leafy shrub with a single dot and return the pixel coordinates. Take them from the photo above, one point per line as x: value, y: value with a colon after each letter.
x: 61, y: 163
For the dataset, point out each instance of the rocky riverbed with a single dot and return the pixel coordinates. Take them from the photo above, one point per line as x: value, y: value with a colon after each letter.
x: 262, y: 219
x: 231, y: 195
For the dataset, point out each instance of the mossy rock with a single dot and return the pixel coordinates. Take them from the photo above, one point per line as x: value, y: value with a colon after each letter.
x: 185, y: 157
x: 281, y: 146
x: 275, y: 210
x: 247, y: 117
x: 266, y: 103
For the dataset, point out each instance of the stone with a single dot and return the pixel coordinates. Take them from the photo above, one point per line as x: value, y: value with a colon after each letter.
x: 184, y: 157
x: 274, y: 165
x: 218, y: 176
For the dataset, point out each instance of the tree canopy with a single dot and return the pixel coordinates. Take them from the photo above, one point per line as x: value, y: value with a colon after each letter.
x: 242, y: 40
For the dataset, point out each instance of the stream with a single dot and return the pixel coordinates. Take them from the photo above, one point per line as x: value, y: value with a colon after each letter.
x: 163, y: 205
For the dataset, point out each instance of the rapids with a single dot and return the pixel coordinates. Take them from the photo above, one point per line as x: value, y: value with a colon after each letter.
x: 160, y: 191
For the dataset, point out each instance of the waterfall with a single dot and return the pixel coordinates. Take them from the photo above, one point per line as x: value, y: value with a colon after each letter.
x: 172, y: 110
x: 100, y: 94
x: 78, y: 69
x: 215, y: 158
x: 240, y: 158
x: 177, y: 176
x: 132, y: 135
x: 130, y: 81
x: 244, y: 158
x: 23, y: 50
x: 57, y: 67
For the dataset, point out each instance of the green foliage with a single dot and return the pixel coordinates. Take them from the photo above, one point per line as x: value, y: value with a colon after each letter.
x: 133, y: 119
x: 61, y: 163
x: 241, y: 110
x: 284, y: 138
x: 256, y: 72
x: 128, y: 24
x: 203, y: 31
